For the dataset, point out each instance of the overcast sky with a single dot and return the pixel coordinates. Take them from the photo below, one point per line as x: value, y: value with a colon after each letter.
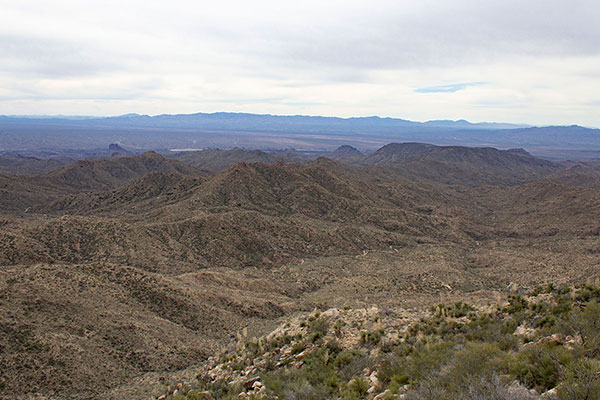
x: 534, y: 62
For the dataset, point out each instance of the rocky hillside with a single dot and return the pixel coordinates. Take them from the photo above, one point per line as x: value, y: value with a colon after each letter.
x: 20, y: 194
x: 136, y: 268
x: 581, y: 174
x: 544, y: 345
x: 111, y: 173
x: 219, y: 160
x: 29, y: 166
x: 457, y: 165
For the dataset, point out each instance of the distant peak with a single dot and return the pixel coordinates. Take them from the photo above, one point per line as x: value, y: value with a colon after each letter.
x: 347, y: 147
x: 115, y: 148
x: 519, y: 151
x: 151, y: 154
x: 394, y: 147
x: 239, y: 166
x: 345, y: 151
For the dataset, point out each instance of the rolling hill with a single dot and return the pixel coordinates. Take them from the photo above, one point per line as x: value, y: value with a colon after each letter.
x: 219, y: 160
x: 126, y: 271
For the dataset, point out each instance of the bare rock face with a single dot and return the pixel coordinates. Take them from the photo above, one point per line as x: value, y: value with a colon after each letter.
x: 250, y: 383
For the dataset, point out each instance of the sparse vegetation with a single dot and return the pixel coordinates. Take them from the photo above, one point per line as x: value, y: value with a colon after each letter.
x: 113, y: 270
x: 454, y: 352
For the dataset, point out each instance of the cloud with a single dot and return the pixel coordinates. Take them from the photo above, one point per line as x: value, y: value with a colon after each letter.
x: 539, y: 59
x: 451, y: 88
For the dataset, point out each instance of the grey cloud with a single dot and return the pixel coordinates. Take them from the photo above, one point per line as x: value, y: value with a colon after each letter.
x: 344, y: 57
x: 441, y: 34
x: 52, y: 58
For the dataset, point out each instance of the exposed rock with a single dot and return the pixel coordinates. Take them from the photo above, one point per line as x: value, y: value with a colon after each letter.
x: 382, y: 395
x: 524, y: 330
x: 257, y: 385
x: 550, y: 394
x: 248, y: 384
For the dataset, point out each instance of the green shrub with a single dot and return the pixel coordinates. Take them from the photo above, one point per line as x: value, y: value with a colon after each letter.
x: 581, y: 381
x: 516, y: 303
x: 428, y: 358
x: 371, y: 337
x: 315, y: 379
x: 298, y: 347
x: 357, y: 389
x: 538, y: 366
x: 318, y: 326
x: 345, y: 357
x: 392, y: 369
x: 585, y: 323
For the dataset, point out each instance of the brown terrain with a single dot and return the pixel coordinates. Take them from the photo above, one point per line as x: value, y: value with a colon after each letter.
x: 116, y: 273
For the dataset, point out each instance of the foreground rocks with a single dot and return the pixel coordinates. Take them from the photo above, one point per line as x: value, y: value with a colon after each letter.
x: 354, y: 352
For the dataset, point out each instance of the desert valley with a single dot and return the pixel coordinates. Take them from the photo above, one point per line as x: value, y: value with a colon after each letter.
x: 120, y: 273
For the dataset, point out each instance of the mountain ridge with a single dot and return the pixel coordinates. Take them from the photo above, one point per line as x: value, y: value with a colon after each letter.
x: 143, y: 119
x: 323, y: 134
x: 139, y: 276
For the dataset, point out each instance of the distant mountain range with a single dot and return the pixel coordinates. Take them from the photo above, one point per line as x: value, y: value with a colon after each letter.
x: 245, y: 121
x: 304, y: 133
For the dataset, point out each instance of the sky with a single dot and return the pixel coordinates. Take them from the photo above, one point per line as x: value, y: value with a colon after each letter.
x: 526, y: 61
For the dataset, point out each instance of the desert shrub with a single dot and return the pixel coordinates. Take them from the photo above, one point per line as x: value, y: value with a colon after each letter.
x: 467, y: 372
x: 334, y: 347
x: 339, y: 324
x: 581, y: 381
x: 450, y: 328
x: 475, y: 360
x: 586, y: 293
x: 489, y: 328
x: 425, y: 326
x: 403, y: 349
x: 516, y: 303
x: 319, y: 325
x: 387, y: 346
x: 317, y: 328
x: 563, y: 306
x: 280, y: 341
x: 345, y: 357
x: 444, y: 358
x: 315, y: 379
x: 238, y: 365
x: 354, y: 365
x: 393, y: 370
x: 459, y: 309
x: 537, y: 291
x: 221, y: 389
x: 371, y: 337
x: 539, y: 366
x: 508, y: 342
x: 479, y: 388
x: 545, y: 321
x: 428, y: 358
x: 298, y: 347
x: 509, y: 326
x: 586, y: 324
x: 563, y: 289
x: 357, y: 389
